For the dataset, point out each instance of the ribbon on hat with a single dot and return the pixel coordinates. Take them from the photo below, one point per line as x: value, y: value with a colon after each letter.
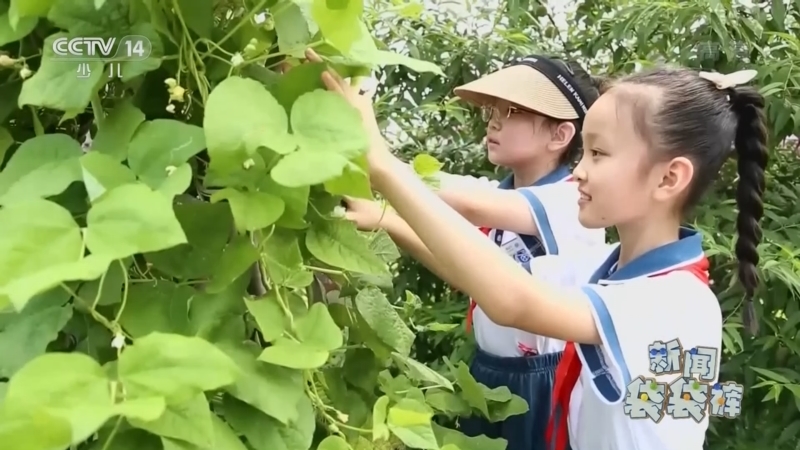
x: 726, y: 81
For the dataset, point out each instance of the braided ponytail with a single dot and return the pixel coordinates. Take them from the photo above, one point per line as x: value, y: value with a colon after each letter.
x: 751, y: 148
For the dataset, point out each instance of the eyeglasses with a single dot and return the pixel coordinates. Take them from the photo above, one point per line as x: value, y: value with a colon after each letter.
x: 488, y: 112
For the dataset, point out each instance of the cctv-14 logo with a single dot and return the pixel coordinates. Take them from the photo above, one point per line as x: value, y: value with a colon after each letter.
x: 89, y: 51
x: 692, y: 394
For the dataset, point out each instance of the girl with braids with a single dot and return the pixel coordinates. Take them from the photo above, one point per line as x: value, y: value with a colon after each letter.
x: 652, y: 144
x: 534, y: 109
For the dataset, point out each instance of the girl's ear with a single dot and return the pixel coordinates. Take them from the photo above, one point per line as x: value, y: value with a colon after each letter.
x: 561, y: 135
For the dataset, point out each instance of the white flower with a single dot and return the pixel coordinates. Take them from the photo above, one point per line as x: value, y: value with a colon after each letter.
x: 25, y: 73
x: 171, y: 108
x: 338, y: 212
x: 170, y: 169
x: 7, y: 61
x: 118, y: 342
x: 237, y: 59
x: 248, y: 164
x: 171, y: 83
x: 176, y: 94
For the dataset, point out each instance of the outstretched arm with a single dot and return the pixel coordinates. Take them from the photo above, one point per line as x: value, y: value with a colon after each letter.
x: 480, y: 202
x: 486, y: 206
x: 405, y: 237
x: 506, y: 293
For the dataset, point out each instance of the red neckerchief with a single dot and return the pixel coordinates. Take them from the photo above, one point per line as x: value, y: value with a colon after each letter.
x: 569, y: 369
x: 472, y: 304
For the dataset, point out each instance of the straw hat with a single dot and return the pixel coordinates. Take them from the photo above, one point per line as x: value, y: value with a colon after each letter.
x: 523, y: 86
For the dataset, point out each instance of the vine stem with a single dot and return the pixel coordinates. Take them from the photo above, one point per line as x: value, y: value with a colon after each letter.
x: 113, y: 433
x: 124, y: 293
x: 97, y: 110
x: 236, y: 27
x: 322, y: 407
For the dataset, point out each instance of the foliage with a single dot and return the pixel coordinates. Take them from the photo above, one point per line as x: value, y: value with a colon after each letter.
x: 164, y: 269
x: 185, y: 280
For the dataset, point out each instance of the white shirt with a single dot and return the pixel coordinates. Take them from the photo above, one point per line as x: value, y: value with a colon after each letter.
x: 554, y: 207
x: 636, y: 314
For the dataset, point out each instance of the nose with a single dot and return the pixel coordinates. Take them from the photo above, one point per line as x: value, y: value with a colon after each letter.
x: 493, y: 125
x: 579, y: 172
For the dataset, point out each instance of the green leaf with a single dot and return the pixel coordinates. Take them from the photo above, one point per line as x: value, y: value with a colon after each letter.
x: 334, y: 443
x: 23, y: 258
x: 237, y: 258
x: 56, y: 84
x: 353, y: 182
x: 218, y: 316
x: 235, y: 130
x: 102, y: 173
x: 199, y: 16
x: 156, y: 306
x: 117, y: 131
x: 323, y: 121
x: 207, y: 227
x: 177, y: 181
x: 426, y: 165
x: 293, y: 29
x: 264, y: 433
x: 269, y: 315
x: 41, y: 167
x: 25, y: 335
x: 470, y: 389
x: 161, y: 144
x: 6, y: 141
x: 28, y: 8
x: 174, y: 366
x: 146, y: 408
x: 499, y: 412
x: 21, y: 28
x: 252, y: 211
x: 294, y: 355
x: 337, y: 242
x: 382, y: 318
x: 318, y: 329
x: 308, y: 167
x: 410, y: 421
x: 132, y: 219
x: 420, y: 372
x: 339, y: 25
x: 386, y: 58
x: 447, y: 402
x: 79, y: 394
x: 326, y: 144
x: 379, y: 429
x: 34, y: 431
x: 188, y: 421
x: 267, y: 387
x: 284, y: 261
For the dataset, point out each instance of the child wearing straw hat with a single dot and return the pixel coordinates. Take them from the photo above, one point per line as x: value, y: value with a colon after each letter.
x: 534, y: 109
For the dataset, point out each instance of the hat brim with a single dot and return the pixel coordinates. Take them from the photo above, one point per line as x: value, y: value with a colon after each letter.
x: 523, y: 86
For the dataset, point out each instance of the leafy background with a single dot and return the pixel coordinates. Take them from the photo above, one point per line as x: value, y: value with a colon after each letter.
x: 187, y: 283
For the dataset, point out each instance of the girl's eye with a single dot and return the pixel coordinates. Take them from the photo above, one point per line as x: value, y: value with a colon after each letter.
x: 594, y: 153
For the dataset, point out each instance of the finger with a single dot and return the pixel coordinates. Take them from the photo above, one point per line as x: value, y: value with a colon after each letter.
x: 284, y: 67
x: 330, y: 82
x: 312, y: 56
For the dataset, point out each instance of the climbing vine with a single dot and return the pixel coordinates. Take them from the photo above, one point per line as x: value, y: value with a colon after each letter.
x: 175, y: 271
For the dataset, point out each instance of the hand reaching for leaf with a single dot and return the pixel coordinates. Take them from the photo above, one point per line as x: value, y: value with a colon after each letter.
x: 378, y: 155
x: 366, y: 214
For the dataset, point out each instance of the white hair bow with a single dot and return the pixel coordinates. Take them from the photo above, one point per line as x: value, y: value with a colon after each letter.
x: 725, y: 81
